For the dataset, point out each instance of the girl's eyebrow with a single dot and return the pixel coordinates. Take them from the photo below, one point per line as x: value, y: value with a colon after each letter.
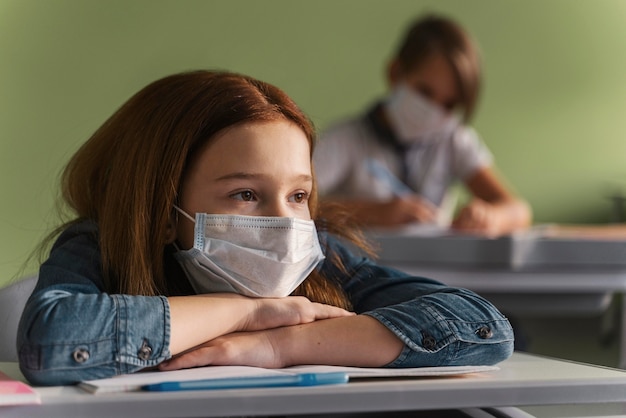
x: 241, y: 175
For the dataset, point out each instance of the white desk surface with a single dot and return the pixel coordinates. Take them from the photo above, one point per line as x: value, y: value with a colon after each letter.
x: 522, y: 380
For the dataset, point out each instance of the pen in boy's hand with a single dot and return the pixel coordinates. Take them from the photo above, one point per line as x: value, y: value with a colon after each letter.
x: 382, y: 173
x: 425, y: 211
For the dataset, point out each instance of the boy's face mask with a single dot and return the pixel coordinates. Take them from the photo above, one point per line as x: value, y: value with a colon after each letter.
x: 414, y: 118
x: 254, y: 256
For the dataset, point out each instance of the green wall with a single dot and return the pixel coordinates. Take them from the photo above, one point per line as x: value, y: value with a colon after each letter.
x: 552, y: 109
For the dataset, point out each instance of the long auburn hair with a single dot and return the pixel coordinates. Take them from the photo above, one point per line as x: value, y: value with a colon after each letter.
x: 126, y: 177
x: 431, y: 35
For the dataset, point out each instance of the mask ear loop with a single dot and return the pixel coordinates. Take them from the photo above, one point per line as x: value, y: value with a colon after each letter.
x: 186, y: 215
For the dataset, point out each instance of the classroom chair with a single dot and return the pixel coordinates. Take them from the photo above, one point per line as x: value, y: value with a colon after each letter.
x: 12, y: 301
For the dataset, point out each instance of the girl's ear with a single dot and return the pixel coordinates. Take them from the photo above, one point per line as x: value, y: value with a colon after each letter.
x: 170, y: 231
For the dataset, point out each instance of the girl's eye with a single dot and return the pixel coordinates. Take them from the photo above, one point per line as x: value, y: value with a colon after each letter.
x: 300, y: 197
x: 246, y: 196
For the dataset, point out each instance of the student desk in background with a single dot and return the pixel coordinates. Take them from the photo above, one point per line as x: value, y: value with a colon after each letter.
x: 542, y: 271
x: 548, y: 385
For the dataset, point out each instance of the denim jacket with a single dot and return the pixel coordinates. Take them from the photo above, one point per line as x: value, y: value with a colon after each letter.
x: 72, y: 330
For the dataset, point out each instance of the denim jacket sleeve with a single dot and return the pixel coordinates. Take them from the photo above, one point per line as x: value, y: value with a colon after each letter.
x: 439, y: 325
x: 72, y: 330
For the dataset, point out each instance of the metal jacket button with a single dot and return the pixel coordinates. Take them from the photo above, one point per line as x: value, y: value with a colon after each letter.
x: 145, y: 351
x: 80, y: 355
x: 484, y: 332
x: 429, y: 342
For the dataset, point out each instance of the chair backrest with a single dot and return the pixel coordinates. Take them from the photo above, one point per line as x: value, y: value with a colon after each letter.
x: 12, y: 301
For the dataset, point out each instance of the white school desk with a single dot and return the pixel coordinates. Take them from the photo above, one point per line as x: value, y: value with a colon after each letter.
x: 523, y: 380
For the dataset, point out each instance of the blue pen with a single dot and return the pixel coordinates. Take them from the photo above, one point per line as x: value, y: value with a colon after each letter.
x: 382, y: 173
x: 304, y: 379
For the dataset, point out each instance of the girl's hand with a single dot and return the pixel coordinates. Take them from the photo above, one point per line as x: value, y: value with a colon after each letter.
x: 236, y: 349
x: 292, y: 310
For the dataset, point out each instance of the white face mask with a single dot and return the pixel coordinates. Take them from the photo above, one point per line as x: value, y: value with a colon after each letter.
x: 414, y: 118
x: 254, y: 256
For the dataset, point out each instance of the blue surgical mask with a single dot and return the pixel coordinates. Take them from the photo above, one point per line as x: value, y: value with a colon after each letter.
x: 255, y: 256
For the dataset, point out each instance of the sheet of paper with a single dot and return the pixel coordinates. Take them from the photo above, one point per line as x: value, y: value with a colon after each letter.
x: 134, y: 382
x: 364, y: 372
x: 413, y: 230
x: 14, y: 392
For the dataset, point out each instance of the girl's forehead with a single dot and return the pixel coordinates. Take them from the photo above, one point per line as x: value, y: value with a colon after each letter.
x: 258, y: 145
